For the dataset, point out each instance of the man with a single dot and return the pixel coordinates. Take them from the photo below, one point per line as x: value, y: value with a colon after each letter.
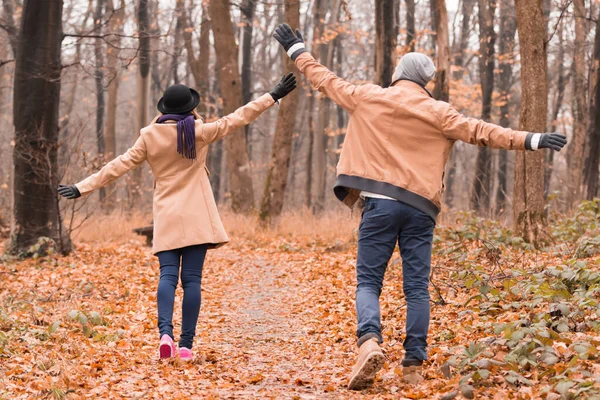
x: 396, y: 147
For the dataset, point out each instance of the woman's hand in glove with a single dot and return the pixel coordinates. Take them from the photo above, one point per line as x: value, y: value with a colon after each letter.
x: 284, y: 87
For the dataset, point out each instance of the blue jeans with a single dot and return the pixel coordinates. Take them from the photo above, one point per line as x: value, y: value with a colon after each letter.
x: 191, y: 259
x: 385, y: 222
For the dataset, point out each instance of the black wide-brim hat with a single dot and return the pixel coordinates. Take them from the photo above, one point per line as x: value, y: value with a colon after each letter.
x: 178, y: 99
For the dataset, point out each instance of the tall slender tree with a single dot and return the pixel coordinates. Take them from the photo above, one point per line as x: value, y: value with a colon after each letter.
x: 481, y: 191
x: 463, y: 41
x: 508, y: 29
x: 410, y: 25
x: 562, y: 79
x: 528, y: 198
x: 592, y: 165
x: 318, y: 27
x: 143, y: 90
x: 36, y: 112
x: 247, y: 8
x: 575, y: 151
x: 115, y: 26
x: 320, y: 144
x: 272, y: 202
x: 442, y: 75
x: 99, y: 81
x: 386, y: 34
x: 240, y: 180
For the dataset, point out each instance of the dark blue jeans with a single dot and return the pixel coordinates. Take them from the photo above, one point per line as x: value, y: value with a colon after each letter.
x: 191, y: 259
x: 385, y: 222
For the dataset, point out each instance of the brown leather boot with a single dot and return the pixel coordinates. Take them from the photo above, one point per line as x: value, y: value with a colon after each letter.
x: 370, y: 361
x: 413, y: 375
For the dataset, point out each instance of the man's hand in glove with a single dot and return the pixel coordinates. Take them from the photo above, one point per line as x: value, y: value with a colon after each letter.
x: 69, y: 191
x: 284, y: 87
x: 554, y: 141
x: 293, y: 44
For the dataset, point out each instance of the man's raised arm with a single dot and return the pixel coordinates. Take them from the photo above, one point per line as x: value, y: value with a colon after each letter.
x: 343, y: 93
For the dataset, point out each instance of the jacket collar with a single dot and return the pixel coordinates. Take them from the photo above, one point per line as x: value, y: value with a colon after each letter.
x: 410, y: 83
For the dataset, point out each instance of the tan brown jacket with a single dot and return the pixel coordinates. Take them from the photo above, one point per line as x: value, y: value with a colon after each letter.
x: 399, y: 138
x: 184, y: 207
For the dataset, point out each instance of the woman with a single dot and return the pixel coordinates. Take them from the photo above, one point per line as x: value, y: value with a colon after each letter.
x: 186, y: 220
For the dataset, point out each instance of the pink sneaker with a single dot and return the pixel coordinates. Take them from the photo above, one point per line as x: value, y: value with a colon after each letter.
x: 185, y: 354
x: 167, y: 347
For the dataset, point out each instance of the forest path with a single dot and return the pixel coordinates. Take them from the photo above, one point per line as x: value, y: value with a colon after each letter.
x: 277, y: 322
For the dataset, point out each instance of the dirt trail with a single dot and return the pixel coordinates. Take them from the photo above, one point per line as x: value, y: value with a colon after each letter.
x: 275, y: 323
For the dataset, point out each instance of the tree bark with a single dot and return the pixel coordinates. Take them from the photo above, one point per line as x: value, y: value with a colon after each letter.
x: 592, y: 164
x: 482, y: 185
x: 459, y: 58
x: 410, y: 25
x: 240, y: 180
x: 99, y: 81
x: 558, y: 101
x: 442, y: 83
x: 143, y: 88
x: 198, y: 65
x: 528, y: 198
x: 112, y: 58
x: 8, y: 12
x: 36, y: 114
x: 319, y: 156
x: 272, y: 202
x: 575, y: 152
x: 385, y: 42
x: 247, y: 9
x: 508, y: 28
x: 318, y: 27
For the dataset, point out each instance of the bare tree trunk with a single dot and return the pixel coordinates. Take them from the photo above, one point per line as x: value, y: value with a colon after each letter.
x: 385, y: 42
x: 528, y: 197
x: 442, y: 83
x: 8, y: 8
x: 112, y: 57
x: 508, y: 28
x: 482, y: 185
x: 36, y: 113
x: 319, y: 156
x: 247, y: 9
x: 98, y: 79
x: 240, y: 180
x: 576, y: 147
x: 143, y: 88
x: 199, y: 65
x: 179, y: 22
x: 318, y: 27
x: 558, y: 101
x: 459, y: 58
x: 410, y: 25
x: 592, y: 164
x: 272, y: 202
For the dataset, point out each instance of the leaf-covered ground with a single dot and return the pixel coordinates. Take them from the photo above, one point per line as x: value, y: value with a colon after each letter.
x: 277, y: 320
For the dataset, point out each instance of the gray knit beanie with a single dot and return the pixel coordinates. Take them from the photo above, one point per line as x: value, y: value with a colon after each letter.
x: 416, y: 67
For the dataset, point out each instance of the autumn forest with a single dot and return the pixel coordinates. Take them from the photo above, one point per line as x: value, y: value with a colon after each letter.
x: 254, y: 222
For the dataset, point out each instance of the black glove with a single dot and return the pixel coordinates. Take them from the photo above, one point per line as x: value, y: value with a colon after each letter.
x: 69, y: 191
x: 284, y: 87
x: 554, y: 141
x: 292, y: 44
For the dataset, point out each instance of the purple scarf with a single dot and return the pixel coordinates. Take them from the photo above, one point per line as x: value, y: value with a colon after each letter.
x: 186, y: 133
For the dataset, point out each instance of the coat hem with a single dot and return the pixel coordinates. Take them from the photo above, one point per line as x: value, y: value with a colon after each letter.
x: 346, y: 182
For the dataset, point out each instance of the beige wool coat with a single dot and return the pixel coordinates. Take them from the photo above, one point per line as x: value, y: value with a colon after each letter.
x: 184, y: 208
